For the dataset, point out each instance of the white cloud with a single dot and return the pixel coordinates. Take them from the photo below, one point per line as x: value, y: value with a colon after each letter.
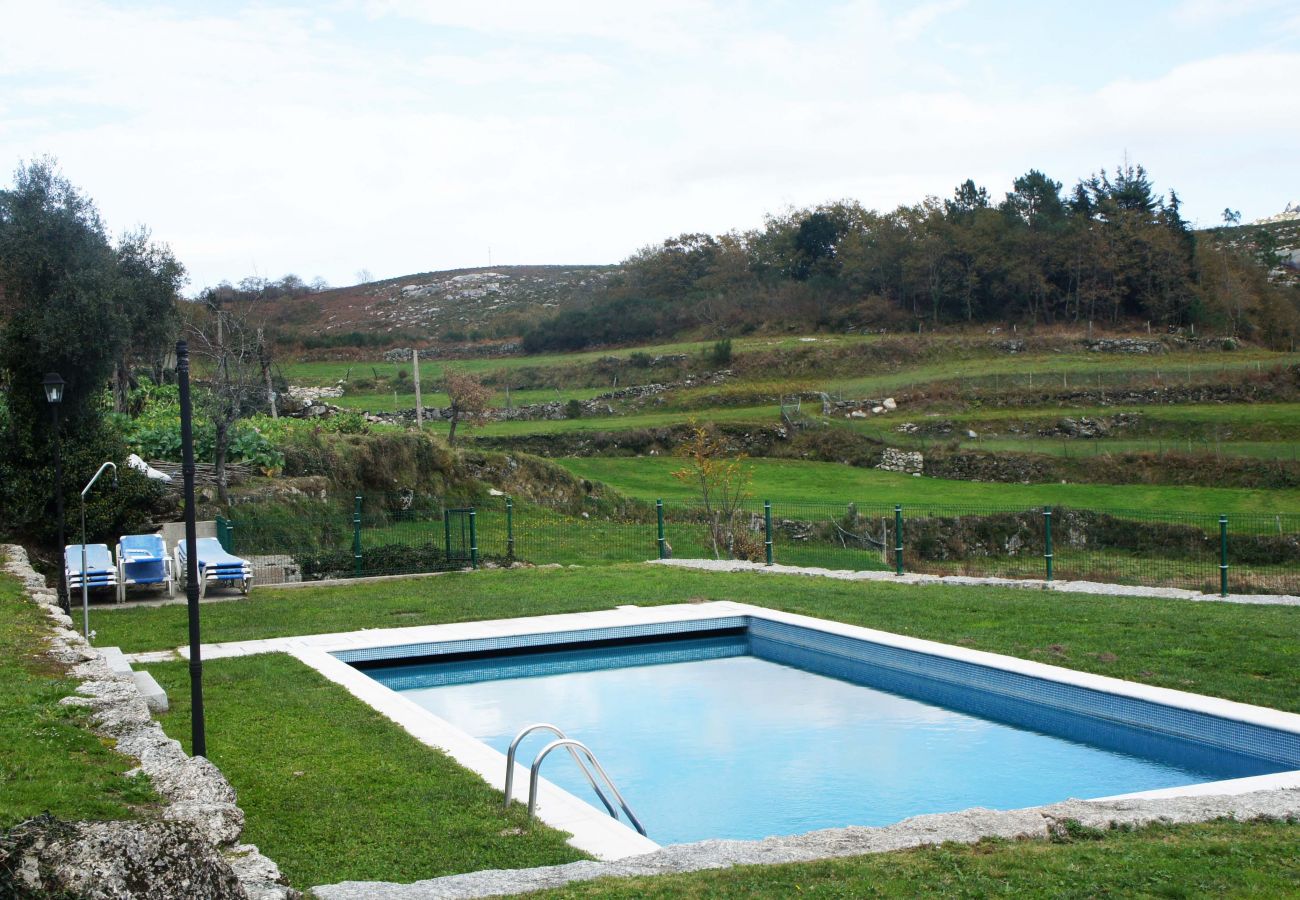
x: 282, y: 140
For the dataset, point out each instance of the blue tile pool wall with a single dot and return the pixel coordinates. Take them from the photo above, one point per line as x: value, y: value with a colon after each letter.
x: 1124, y: 723
x: 432, y: 649
x: 560, y: 662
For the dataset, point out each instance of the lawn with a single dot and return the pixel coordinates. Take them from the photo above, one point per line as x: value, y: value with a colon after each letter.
x: 1219, y: 859
x: 1245, y: 653
x: 49, y: 760
x: 650, y: 478
x: 299, y: 750
x: 333, y: 791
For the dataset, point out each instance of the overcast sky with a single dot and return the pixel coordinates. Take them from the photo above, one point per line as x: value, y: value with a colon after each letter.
x: 400, y: 136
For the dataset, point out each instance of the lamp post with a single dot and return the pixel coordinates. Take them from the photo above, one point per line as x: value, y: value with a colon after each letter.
x: 53, y: 386
x: 85, y: 579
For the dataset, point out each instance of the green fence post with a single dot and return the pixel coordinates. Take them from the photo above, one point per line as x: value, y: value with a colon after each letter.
x: 1047, y: 532
x: 446, y: 534
x: 1223, y: 556
x: 510, y: 528
x: 767, y: 527
x: 473, y: 540
x: 898, y: 539
x: 659, y: 511
x: 356, y: 535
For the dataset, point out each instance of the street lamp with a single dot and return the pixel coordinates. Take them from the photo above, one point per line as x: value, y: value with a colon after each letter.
x: 53, y: 386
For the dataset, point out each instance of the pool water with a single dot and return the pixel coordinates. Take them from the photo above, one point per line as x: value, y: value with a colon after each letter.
x: 707, y: 741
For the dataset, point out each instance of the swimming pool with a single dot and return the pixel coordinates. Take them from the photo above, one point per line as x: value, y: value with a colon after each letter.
x: 744, y: 726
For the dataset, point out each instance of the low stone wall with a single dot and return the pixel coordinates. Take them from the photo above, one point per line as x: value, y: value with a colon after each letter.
x: 197, y: 799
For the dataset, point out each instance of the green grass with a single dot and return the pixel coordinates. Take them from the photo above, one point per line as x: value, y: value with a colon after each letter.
x: 299, y: 749
x: 649, y: 478
x: 49, y: 759
x: 334, y: 791
x: 329, y: 372
x: 1245, y: 653
x: 390, y: 402
x: 1218, y: 859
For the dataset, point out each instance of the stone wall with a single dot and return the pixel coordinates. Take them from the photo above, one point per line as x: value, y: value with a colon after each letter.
x: 200, y: 815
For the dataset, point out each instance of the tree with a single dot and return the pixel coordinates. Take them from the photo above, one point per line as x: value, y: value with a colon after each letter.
x: 1231, y: 216
x: 233, y: 353
x: 722, y: 481
x: 469, y: 400
x: 149, y: 281
x: 62, y: 309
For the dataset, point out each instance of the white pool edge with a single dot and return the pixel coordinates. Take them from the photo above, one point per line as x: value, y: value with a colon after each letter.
x: 595, y: 832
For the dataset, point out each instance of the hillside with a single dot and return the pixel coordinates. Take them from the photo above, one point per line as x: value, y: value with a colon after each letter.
x: 1238, y: 280
x: 451, y: 306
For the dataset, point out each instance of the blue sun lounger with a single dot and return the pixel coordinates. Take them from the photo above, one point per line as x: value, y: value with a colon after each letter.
x: 216, y: 566
x: 100, y: 570
x: 143, y: 559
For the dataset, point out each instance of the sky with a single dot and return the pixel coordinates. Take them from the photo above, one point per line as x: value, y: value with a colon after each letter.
x: 400, y: 136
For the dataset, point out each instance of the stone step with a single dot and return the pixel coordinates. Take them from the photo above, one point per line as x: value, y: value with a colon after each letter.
x: 154, y: 696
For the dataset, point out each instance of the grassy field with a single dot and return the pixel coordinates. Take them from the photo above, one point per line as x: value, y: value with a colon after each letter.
x: 329, y: 372
x: 650, y: 478
x: 1245, y: 653
x: 391, y: 402
x: 49, y: 760
x: 1220, y: 859
x: 413, y: 814
x: 332, y: 790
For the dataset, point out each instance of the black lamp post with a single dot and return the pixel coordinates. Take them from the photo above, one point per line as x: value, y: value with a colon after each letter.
x: 54, y: 385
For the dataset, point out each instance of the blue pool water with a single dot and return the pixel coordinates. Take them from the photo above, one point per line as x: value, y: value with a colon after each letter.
x: 706, y: 740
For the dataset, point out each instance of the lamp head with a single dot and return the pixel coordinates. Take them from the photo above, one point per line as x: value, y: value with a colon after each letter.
x: 53, y: 386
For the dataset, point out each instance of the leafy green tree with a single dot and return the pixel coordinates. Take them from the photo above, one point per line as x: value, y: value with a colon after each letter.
x: 61, y: 310
x: 149, y: 280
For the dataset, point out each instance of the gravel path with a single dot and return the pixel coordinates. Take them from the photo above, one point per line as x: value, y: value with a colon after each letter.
x: 1074, y: 587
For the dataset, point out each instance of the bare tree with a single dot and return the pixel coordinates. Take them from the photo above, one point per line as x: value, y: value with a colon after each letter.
x: 469, y: 400
x: 232, y: 355
x: 723, y: 484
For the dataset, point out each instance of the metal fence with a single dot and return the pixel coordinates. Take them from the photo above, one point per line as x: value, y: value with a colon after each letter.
x: 1241, y: 553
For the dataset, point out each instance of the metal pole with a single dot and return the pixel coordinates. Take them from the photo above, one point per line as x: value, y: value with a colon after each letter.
x: 85, y: 582
x: 659, y: 511
x: 510, y: 529
x: 898, y: 539
x: 1047, y: 526
x: 1223, y: 556
x: 419, y: 400
x: 356, y: 536
x: 767, y: 529
x: 473, y: 539
x: 198, y: 733
x: 65, y: 603
x: 446, y: 534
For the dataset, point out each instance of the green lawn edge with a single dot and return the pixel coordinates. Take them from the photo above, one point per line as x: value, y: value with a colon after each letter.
x: 334, y: 791
x: 50, y: 761
x: 1218, y: 859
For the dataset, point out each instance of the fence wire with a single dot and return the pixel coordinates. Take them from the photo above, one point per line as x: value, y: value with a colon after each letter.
x: 1255, y: 553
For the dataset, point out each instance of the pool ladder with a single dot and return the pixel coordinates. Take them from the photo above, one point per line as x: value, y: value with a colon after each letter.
x: 575, y: 748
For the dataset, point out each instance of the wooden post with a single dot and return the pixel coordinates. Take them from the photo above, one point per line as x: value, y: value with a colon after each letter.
x: 419, y: 404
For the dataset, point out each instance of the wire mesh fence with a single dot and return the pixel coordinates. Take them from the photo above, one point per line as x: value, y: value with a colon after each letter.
x: 1241, y: 553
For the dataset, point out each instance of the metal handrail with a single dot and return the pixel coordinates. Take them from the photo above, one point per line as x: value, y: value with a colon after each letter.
x: 591, y: 757
x: 514, y: 749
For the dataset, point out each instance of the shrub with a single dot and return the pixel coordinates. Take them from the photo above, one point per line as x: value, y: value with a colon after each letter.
x: 573, y: 409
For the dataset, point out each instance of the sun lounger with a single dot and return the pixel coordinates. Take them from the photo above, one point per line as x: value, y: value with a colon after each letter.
x: 142, y: 559
x: 216, y: 566
x: 100, y: 570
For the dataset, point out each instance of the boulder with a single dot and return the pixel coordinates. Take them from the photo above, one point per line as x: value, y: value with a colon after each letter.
x: 45, y: 857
